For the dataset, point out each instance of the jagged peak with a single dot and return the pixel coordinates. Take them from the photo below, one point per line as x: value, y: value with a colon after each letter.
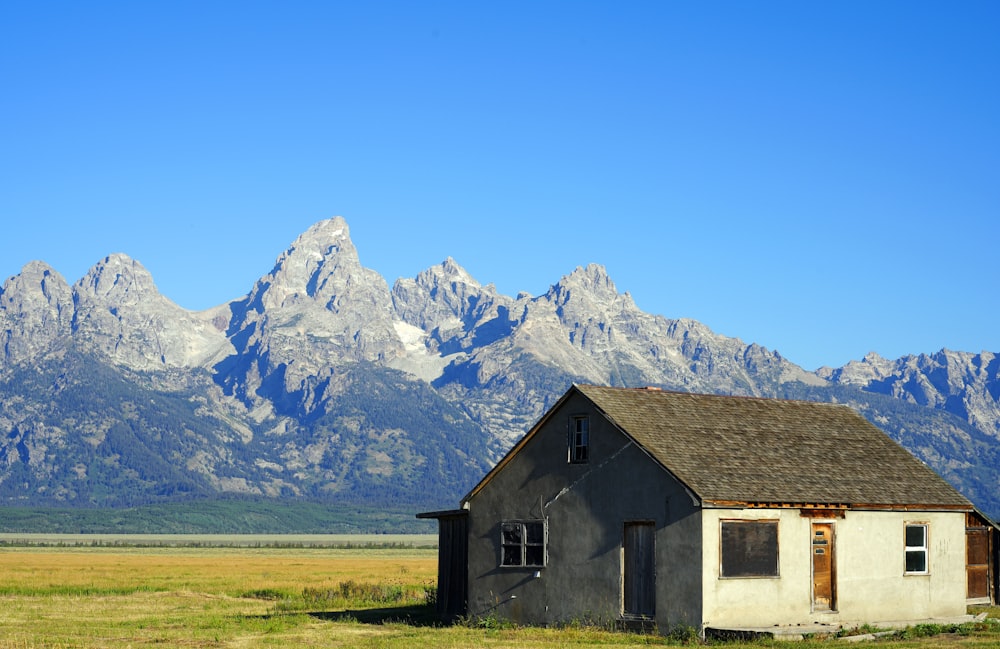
x: 594, y: 276
x: 314, y: 254
x: 37, y: 276
x: 332, y: 229
x: 37, y: 267
x: 451, y: 271
x: 115, y: 275
x: 322, y: 241
x: 320, y: 268
x: 31, y: 271
x: 593, y: 279
x: 873, y: 358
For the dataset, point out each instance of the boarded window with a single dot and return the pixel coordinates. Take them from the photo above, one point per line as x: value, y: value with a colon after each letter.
x: 522, y: 543
x: 916, y: 549
x: 749, y: 548
x: 579, y: 439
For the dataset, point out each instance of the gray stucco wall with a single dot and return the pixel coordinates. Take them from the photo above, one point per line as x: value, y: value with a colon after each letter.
x: 586, y: 507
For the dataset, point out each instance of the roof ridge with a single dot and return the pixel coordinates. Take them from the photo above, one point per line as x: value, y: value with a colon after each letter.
x: 652, y: 389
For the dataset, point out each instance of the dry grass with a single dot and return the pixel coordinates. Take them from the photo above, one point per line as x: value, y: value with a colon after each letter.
x: 182, y: 597
x: 247, y: 598
x: 44, y: 571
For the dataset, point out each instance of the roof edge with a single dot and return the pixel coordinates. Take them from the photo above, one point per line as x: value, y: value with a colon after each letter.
x: 521, y: 442
x: 446, y: 513
x: 870, y: 507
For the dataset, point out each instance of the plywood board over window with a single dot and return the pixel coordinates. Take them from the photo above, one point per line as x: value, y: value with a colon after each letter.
x: 749, y: 548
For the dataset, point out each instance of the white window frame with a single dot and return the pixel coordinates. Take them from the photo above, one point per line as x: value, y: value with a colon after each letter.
x: 923, y: 549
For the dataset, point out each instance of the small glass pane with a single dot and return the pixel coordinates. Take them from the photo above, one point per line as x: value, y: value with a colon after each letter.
x: 511, y: 534
x: 916, y: 536
x: 534, y: 555
x: 535, y: 532
x: 916, y: 561
x: 511, y: 555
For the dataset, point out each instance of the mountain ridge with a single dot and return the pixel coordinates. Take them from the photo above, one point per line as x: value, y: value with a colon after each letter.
x: 324, y: 382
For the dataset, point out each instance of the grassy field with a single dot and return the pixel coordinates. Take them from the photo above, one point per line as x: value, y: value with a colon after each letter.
x: 220, y: 540
x: 244, y: 596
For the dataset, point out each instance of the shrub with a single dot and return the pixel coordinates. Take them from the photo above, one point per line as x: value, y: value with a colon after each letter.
x: 356, y: 592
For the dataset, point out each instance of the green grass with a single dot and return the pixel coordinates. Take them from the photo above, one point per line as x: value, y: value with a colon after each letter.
x: 333, y: 597
x: 216, y: 517
x: 271, y: 541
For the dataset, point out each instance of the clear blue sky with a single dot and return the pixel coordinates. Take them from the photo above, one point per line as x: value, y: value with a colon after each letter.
x: 819, y: 178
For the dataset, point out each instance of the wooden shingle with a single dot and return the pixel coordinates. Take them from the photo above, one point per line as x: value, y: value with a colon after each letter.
x: 770, y: 452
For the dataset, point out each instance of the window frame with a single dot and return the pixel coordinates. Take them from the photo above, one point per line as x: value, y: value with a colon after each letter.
x: 769, y: 523
x: 579, y: 440
x: 524, y: 542
x: 918, y: 550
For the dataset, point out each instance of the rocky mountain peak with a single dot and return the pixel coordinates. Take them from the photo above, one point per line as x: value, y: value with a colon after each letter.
x: 36, y: 309
x: 316, y: 268
x: 326, y: 362
x: 872, y: 367
x: 118, y: 280
x: 592, y: 280
x: 317, y: 307
x: 451, y: 269
x: 121, y: 315
x: 589, y: 293
x: 965, y: 384
x: 445, y: 300
x: 37, y: 281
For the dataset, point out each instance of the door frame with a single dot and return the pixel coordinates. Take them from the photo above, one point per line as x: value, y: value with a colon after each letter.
x: 829, y: 547
x: 975, y: 524
x: 645, y: 589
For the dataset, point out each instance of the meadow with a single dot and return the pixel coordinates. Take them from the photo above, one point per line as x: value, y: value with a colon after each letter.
x: 111, y: 593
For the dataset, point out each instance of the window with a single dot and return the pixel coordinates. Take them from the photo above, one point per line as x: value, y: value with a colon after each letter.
x: 916, y: 549
x: 579, y: 439
x: 749, y: 549
x: 522, y: 543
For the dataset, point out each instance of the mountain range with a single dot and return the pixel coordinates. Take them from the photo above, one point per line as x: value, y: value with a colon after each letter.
x: 325, y: 384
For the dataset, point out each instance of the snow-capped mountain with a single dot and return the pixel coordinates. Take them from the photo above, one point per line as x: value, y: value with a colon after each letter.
x: 323, y: 382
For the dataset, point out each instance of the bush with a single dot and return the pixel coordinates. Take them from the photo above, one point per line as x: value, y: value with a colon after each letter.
x: 354, y: 592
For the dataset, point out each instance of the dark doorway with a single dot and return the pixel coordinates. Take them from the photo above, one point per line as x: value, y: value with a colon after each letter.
x: 639, y: 570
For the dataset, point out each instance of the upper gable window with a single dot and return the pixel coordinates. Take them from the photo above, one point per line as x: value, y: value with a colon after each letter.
x: 749, y: 548
x: 916, y: 549
x: 579, y: 439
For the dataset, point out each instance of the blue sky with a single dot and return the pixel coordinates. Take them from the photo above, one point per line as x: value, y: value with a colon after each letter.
x: 820, y: 178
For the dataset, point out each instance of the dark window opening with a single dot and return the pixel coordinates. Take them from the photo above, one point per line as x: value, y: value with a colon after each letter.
x: 579, y: 442
x: 522, y: 543
x: 916, y: 549
x: 749, y: 549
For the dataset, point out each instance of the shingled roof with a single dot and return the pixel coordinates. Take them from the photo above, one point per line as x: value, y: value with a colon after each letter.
x: 766, y: 451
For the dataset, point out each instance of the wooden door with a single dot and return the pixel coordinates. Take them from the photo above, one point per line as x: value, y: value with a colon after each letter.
x: 977, y: 562
x: 824, y: 567
x: 639, y: 571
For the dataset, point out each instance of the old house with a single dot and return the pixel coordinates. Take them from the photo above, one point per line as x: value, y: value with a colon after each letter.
x: 672, y: 509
